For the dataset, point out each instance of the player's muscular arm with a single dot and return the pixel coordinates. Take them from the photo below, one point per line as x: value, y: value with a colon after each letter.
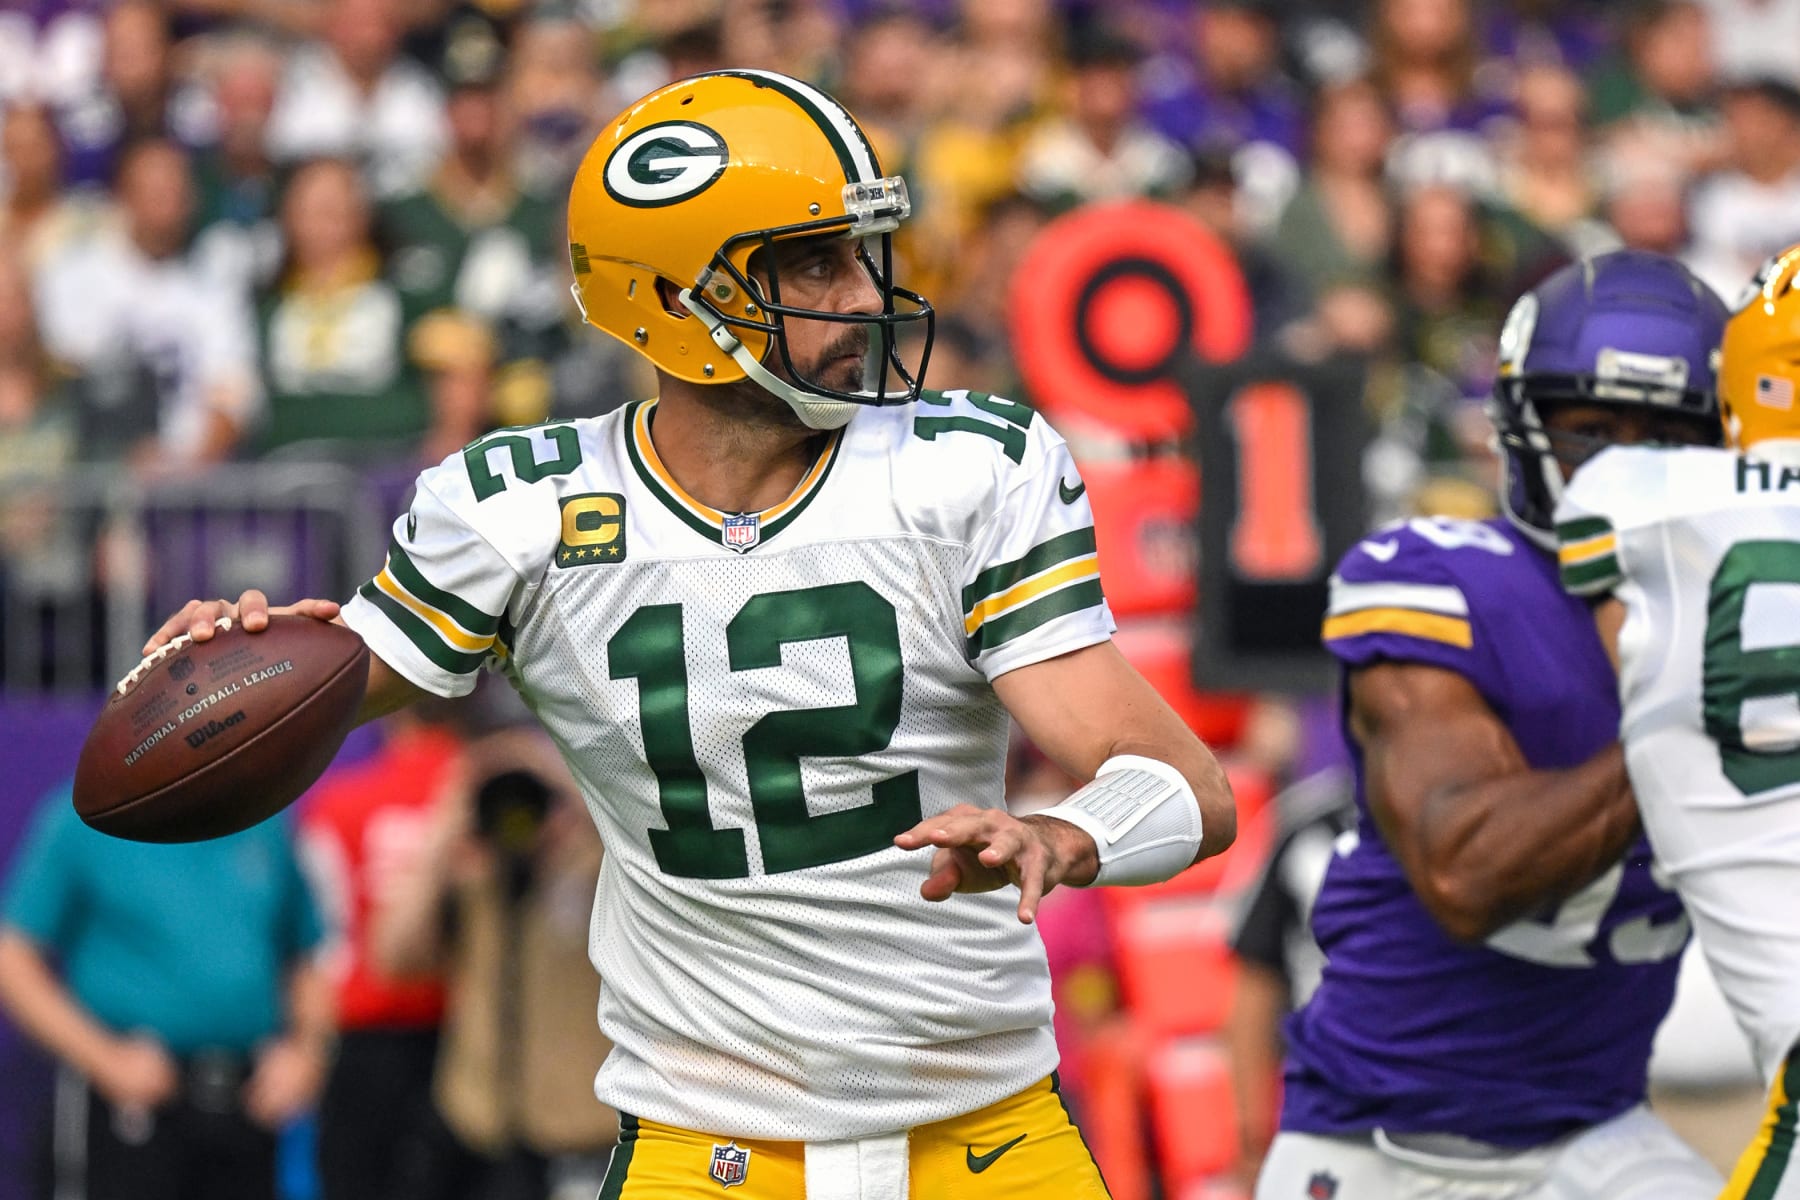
x: 1091, y: 705
x: 1082, y: 708
x: 1482, y: 837
x: 388, y: 691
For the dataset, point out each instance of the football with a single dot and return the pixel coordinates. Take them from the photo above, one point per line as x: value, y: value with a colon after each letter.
x: 204, y: 739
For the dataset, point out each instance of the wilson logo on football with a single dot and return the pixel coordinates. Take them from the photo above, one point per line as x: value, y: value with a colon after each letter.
x: 665, y: 163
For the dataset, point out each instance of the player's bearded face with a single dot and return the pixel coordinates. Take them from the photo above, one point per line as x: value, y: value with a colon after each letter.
x: 825, y: 274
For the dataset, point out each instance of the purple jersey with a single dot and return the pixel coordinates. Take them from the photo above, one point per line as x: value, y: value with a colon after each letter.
x: 1546, y: 1027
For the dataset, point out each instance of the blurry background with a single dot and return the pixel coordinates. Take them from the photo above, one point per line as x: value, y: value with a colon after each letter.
x: 262, y: 260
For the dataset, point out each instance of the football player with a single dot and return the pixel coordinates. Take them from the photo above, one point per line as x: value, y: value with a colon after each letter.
x: 1694, y: 557
x: 776, y: 620
x: 1499, y: 950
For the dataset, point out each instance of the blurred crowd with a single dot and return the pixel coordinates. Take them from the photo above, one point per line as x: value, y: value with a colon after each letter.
x: 332, y: 229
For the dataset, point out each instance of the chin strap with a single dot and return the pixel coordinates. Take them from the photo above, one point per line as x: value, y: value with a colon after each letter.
x: 817, y: 412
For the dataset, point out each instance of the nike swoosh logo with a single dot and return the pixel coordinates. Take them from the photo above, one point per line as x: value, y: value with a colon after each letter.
x: 981, y: 1162
x: 1070, y: 494
x: 1381, y: 551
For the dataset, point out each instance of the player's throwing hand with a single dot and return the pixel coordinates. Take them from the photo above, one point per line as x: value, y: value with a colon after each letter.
x: 198, y: 618
x: 981, y: 849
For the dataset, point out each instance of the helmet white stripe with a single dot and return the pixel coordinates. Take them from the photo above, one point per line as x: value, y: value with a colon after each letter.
x: 841, y: 121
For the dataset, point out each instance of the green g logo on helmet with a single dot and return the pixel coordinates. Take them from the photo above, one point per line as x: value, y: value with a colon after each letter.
x: 664, y: 164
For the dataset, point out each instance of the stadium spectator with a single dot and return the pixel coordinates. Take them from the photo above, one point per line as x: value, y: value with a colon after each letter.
x: 474, y: 237
x: 188, y: 1020
x: 333, y: 333
x: 1645, y: 205
x: 556, y: 94
x: 134, y: 99
x: 38, y: 217
x: 236, y: 182
x: 1755, y: 39
x: 1517, y: 35
x: 379, y: 1138
x: 1337, y: 230
x: 37, y: 441
x: 979, y: 282
x: 354, y: 95
x: 456, y: 353
x: 1750, y: 210
x: 1546, y: 174
x: 1424, y: 61
x: 796, y: 37
x: 1655, y: 98
x: 891, y: 63
x: 166, y: 353
x: 1447, y: 307
x: 1101, y: 149
x: 1223, y: 89
x: 499, y: 900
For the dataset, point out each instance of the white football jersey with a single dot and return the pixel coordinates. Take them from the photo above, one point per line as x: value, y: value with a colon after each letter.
x: 1703, y: 548
x: 754, y: 705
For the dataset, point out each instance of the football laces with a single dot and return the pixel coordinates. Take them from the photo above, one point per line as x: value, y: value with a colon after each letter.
x: 161, y: 652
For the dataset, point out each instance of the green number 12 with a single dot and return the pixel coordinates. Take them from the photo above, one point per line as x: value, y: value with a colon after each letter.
x: 650, y: 647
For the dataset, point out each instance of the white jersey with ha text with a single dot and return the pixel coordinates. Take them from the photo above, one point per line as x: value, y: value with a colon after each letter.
x: 1703, y: 548
x: 754, y: 706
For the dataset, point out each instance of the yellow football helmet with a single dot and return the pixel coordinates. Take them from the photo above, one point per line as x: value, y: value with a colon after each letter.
x: 687, y: 184
x: 1759, y: 367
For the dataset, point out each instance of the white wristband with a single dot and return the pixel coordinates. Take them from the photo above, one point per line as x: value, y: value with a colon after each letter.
x: 1143, y: 817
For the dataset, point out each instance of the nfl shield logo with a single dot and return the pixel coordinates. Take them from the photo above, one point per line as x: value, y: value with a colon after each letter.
x: 730, y: 1164
x: 1322, y: 1186
x: 742, y: 531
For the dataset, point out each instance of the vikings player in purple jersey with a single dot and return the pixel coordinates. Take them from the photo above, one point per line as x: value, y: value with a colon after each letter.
x: 1500, y: 951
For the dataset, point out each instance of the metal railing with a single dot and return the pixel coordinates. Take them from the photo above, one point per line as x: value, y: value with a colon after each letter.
x: 93, y: 558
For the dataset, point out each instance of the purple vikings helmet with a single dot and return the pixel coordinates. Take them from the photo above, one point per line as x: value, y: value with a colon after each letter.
x: 1626, y: 328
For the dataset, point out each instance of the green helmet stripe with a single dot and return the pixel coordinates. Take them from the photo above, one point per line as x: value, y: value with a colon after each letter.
x: 847, y: 139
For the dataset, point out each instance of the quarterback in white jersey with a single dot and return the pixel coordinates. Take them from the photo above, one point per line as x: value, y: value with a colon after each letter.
x: 777, y: 620
x: 1695, y: 556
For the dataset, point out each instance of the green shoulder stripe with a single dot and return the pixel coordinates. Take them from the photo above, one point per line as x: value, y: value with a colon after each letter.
x: 455, y: 607
x: 1061, y: 548
x: 1582, y: 528
x: 1595, y: 575
x: 1061, y: 603
x: 423, y: 637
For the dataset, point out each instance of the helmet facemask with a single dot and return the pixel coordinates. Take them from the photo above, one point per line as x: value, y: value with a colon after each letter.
x: 1537, y: 458
x: 873, y: 212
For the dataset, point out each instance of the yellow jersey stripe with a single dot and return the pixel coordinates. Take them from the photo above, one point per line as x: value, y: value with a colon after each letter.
x: 1086, y: 567
x: 640, y: 433
x: 1433, y: 627
x: 1594, y: 547
x: 453, y: 634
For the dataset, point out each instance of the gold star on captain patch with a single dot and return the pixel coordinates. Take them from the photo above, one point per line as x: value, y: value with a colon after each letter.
x: 584, y: 552
x: 613, y: 550
x: 567, y: 555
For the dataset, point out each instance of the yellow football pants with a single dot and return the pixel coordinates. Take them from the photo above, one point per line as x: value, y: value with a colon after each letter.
x: 1023, y: 1148
x: 1763, y: 1173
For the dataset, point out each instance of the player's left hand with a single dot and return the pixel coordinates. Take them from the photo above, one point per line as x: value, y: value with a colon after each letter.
x: 286, y: 1080
x: 982, y: 849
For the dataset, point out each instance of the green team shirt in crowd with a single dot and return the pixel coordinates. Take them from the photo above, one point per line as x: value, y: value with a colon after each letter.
x: 438, y: 261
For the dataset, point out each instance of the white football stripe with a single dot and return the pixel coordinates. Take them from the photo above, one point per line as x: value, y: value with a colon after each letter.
x: 1425, y: 597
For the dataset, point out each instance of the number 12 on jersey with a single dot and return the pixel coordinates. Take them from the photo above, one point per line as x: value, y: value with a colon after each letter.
x: 651, y: 647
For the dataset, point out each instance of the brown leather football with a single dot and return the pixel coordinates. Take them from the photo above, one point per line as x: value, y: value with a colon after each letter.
x: 204, y: 739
